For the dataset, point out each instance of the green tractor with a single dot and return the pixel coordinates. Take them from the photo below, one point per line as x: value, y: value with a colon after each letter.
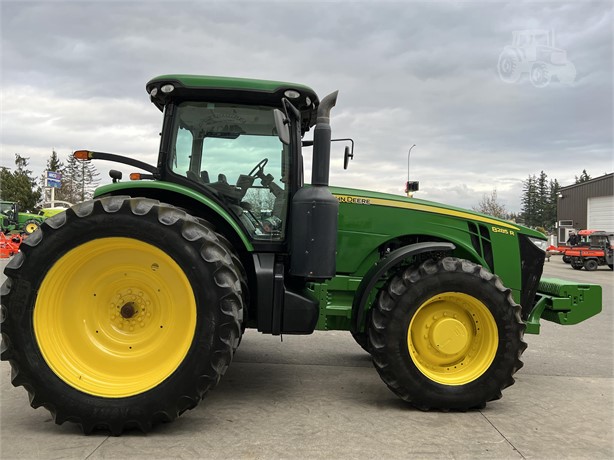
x: 124, y: 311
x: 13, y: 221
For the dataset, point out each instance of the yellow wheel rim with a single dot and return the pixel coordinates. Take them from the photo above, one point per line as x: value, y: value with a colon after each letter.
x: 452, y: 338
x: 114, y: 317
x: 31, y: 228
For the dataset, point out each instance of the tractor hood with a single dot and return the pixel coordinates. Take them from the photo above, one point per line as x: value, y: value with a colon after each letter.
x: 370, y: 198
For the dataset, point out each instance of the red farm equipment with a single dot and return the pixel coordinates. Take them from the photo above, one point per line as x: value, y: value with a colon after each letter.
x: 9, y: 246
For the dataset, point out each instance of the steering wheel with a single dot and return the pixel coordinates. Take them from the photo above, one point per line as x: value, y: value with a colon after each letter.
x: 259, y: 168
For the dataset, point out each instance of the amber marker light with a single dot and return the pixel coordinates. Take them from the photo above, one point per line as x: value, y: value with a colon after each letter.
x: 82, y: 155
x: 135, y: 176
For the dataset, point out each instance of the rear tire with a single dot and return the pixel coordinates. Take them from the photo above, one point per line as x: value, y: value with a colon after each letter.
x: 242, y: 278
x: 567, y: 259
x: 30, y: 226
x: 591, y: 265
x: 126, y: 315
x: 576, y: 263
x: 446, y: 335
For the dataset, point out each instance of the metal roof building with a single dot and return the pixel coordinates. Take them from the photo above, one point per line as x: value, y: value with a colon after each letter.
x: 587, y: 205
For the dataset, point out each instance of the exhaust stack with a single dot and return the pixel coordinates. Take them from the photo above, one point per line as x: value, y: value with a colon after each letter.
x: 321, y: 141
x: 315, y: 210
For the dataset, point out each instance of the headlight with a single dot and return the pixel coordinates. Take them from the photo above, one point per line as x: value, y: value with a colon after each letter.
x: 167, y: 88
x: 541, y: 244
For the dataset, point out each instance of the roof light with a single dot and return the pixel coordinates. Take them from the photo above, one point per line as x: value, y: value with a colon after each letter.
x: 167, y: 88
x: 154, y: 91
x: 82, y: 155
x: 135, y: 176
x: 292, y: 94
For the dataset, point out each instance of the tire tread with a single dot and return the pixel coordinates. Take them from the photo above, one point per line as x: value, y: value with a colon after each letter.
x: 215, y: 251
x: 383, y: 314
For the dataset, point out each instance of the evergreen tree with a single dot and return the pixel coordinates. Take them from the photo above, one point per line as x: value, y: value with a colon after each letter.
x: 54, y: 164
x: 79, y: 180
x: 70, y: 180
x: 543, y: 198
x: 20, y: 186
x: 584, y: 177
x: 6, y: 183
x: 552, y: 203
x: 529, y: 201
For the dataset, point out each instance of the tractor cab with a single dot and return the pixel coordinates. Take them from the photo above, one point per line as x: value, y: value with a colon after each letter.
x: 215, y: 126
x: 535, y: 37
x: 9, y: 212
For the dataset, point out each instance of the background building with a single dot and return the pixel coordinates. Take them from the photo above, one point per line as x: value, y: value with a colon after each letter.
x: 587, y: 205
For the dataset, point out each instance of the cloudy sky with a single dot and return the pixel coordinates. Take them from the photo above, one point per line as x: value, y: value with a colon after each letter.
x: 73, y: 76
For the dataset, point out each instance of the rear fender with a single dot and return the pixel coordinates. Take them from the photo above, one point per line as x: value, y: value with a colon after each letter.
x: 185, y: 198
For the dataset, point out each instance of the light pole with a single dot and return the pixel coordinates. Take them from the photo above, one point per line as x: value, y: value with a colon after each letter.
x: 407, y: 185
x: 408, y: 161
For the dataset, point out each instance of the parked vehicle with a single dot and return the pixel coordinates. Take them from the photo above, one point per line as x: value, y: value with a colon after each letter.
x: 50, y: 212
x: 11, y: 220
x: 124, y: 311
x: 598, y: 252
x: 9, y: 245
x: 583, y: 241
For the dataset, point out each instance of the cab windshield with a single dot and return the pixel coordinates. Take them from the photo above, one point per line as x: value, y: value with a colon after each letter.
x: 234, y: 152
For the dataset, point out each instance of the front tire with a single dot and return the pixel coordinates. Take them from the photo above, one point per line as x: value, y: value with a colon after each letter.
x: 362, y: 339
x: 446, y: 335
x: 120, y: 313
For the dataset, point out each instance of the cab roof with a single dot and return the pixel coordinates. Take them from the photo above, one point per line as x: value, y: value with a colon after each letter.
x: 234, y: 90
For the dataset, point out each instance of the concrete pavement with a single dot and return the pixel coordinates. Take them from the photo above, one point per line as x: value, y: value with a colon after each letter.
x: 318, y: 396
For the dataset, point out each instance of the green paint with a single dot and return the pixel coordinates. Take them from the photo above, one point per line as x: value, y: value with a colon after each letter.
x: 229, y: 83
x: 365, y: 226
x: 569, y: 303
x: 370, y: 222
x: 11, y: 220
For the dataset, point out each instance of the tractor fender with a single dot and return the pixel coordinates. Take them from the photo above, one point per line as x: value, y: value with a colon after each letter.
x: 184, y: 198
x: 382, y: 266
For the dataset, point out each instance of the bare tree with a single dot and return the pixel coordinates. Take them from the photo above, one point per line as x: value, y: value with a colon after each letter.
x: 489, y: 204
x: 261, y: 200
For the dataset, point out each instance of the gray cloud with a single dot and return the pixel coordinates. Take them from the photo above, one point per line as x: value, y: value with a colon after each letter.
x: 73, y: 75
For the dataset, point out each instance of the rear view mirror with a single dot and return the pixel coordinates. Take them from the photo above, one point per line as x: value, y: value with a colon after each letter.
x: 347, y: 157
x: 281, y: 124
